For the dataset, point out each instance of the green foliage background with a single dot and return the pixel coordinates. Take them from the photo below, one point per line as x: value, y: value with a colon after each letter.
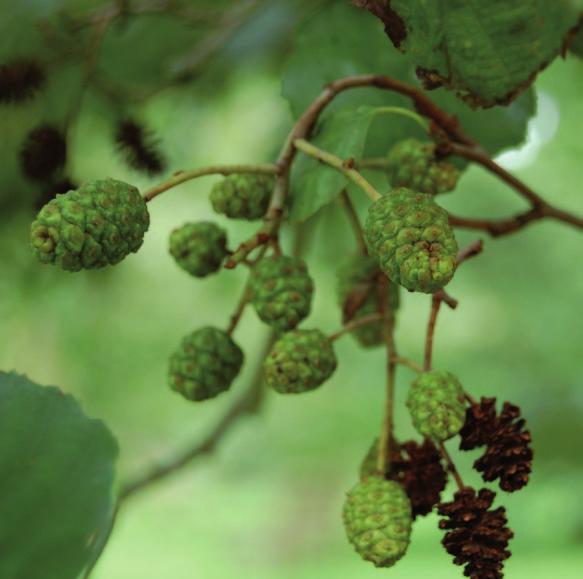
x: 267, y: 504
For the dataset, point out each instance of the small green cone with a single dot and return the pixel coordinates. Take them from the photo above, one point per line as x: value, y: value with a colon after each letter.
x: 411, y: 237
x: 281, y: 291
x: 412, y: 164
x: 377, y: 518
x: 301, y: 360
x: 437, y: 405
x: 199, y: 248
x: 91, y: 227
x: 205, y: 364
x: 244, y: 196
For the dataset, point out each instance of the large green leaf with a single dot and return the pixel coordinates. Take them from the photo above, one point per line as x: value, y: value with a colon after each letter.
x: 314, y: 184
x: 56, y: 476
x: 342, y: 41
x: 486, y: 51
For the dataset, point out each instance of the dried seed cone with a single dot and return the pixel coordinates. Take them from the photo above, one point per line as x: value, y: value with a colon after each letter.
x: 199, y: 248
x: 244, y: 196
x: 281, y: 291
x: 205, y: 364
x: 477, y: 536
x: 358, y: 295
x: 411, y: 237
x: 412, y: 164
x: 87, y: 228
x: 437, y: 405
x: 377, y: 519
x: 301, y: 360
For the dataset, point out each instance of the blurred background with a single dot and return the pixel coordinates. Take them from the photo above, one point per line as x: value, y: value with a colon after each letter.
x: 267, y: 503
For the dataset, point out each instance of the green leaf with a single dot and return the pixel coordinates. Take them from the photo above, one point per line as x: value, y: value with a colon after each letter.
x: 342, y: 40
x: 56, y: 476
x: 313, y: 184
x: 488, y: 52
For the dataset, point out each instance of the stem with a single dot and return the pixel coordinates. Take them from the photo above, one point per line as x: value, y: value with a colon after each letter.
x: 375, y: 163
x: 435, y: 306
x: 423, y: 123
x: 345, y: 167
x: 242, y: 304
x: 365, y: 320
x: 408, y: 363
x: 183, y: 176
x: 383, y: 459
x: 354, y: 221
x: 451, y: 466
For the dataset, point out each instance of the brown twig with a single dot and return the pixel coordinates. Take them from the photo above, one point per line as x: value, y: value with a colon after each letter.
x: 388, y: 422
x: 305, y: 124
x: 451, y: 466
x: 440, y: 296
x: 182, y: 176
x: 435, y: 307
x: 248, y: 403
x: 408, y: 363
x: 539, y: 208
x: 354, y: 221
x: 352, y: 325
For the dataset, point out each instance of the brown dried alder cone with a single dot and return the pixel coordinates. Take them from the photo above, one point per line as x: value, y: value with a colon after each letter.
x: 417, y: 467
x: 477, y: 537
x: 508, y: 455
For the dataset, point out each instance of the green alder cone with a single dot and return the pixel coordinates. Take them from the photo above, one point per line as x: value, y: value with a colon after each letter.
x: 437, y: 405
x: 88, y: 228
x: 377, y: 518
x: 411, y: 237
x: 355, y: 275
x: 301, y: 360
x: 244, y: 196
x: 205, y: 364
x: 281, y: 291
x: 199, y: 248
x: 412, y: 164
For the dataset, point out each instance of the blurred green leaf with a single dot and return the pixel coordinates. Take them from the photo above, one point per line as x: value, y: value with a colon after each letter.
x: 487, y: 52
x: 342, y: 41
x: 56, y: 475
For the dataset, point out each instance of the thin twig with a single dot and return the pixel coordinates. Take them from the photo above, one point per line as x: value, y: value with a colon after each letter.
x: 408, y: 363
x: 345, y: 167
x: 352, y: 325
x: 540, y: 209
x: 304, y: 126
x: 451, y: 466
x: 238, y: 313
x: 354, y: 221
x: 435, y: 307
x: 383, y: 458
x: 183, y: 176
x: 248, y: 403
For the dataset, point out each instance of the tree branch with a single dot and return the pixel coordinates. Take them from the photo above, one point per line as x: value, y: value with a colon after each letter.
x: 345, y: 167
x: 354, y: 221
x: 247, y: 404
x: 364, y: 321
x: 183, y: 176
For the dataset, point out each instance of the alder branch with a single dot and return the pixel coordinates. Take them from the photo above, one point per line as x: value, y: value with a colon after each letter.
x: 303, y: 129
x: 411, y: 364
x: 346, y: 167
x: 386, y: 436
x: 471, y: 250
x: 352, y: 325
x: 354, y: 221
x: 182, y: 176
x: 451, y: 466
x: 247, y: 404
